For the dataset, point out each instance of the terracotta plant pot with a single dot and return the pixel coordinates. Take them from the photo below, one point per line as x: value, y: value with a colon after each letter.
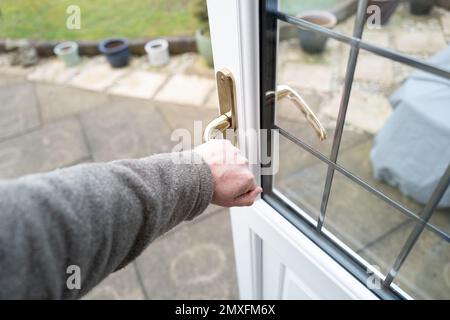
x: 314, y: 42
x: 204, y: 46
x: 420, y: 7
x: 116, y: 51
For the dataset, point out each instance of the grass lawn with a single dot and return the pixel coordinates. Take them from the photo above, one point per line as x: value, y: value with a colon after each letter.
x: 46, y: 19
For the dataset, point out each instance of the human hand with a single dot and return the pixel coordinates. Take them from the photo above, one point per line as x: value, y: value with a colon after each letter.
x: 234, y: 184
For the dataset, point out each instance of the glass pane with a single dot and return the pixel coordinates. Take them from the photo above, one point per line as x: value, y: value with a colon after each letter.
x: 397, y: 28
x: 426, y: 272
x: 301, y: 177
x: 404, y: 144
x: 362, y: 221
x: 343, y: 13
x: 318, y: 79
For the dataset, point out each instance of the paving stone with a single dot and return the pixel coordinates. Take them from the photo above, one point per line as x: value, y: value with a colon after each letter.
x: 357, y: 160
x: 377, y: 37
x: 401, y: 73
x: 291, y: 158
x: 213, y: 100
x: 18, y: 109
x: 139, y: 84
x: 53, y: 146
x: 177, y: 64
x: 445, y: 21
x: 196, y: 262
x: 187, y: 123
x: 209, y: 211
x: 53, y: 71
x: 371, y: 68
x: 57, y: 101
x: 367, y: 111
x: 426, y: 271
x: 183, y: 89
x: 10, y: 79
x: 317, y: 77
x: 97, y: 76
x: 120, y: 285
x: 354, y: 215
x: 287, y: 109
x: 199, y: 67
x: 419, y: 42
x: 125, y: 128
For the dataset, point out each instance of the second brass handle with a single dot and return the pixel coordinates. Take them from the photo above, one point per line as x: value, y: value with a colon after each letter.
x: 285, y: 91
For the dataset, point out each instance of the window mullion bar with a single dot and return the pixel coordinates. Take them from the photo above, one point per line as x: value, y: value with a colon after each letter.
x: 427, y: 212
x: 351, y: 66
x: 364, y: 184
x: 384, y: 52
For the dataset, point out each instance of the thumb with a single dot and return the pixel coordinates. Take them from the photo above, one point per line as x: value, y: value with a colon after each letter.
x: 248, y: 198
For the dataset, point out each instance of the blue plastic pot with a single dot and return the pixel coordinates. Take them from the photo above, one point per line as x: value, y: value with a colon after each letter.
x: 116, y: 51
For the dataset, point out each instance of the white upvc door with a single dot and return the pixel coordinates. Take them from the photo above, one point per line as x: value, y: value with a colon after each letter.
x: 274, y: 259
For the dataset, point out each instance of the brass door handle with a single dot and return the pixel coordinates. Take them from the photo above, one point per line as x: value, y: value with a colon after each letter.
x: 219, y: 124
x: 285, y: 91
x: 227, y: 105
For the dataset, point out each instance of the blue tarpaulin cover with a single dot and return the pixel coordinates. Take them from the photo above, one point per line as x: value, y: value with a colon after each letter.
x: 412, y: 150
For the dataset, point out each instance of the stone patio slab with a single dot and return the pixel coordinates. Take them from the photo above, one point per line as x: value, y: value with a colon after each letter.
x: 53, y: 146
x: 377, y: 37
x: 120, y: 285
x: 126, y: 128
x: 18, y: 109
x: 10, y: 79
x: 53, y: 71
x: 372, y: 68
x: 177, y: 64
x: 196, y: 262
x: 139, y: 84
x: 317, y: 77
x: 367, y: 111
x: 189, y: 122
x: 58, y: 101
x: 97, y: 77
x: 426, y: 271
x: 212, y: 102
x: 419, y: 42
x: 188, y: 90
x: 445, y: 22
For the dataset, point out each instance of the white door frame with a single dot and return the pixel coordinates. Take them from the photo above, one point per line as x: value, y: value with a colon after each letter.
x: 236, y: 47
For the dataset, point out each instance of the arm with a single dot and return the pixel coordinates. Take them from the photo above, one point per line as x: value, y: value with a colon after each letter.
x: 101, y: 216
x: 96, y: 216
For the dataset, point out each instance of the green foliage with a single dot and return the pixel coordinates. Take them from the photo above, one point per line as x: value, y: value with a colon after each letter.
x: 46, y: 19
x: 201, y: 13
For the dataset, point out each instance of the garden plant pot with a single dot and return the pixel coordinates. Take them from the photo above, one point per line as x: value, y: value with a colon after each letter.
x: 157, y: 52
x: 420, y: 7
x: 204, y: 47
x: 116, y: 51
x: 314, y: 42
x: 68, y: 52
x: 387, y: 9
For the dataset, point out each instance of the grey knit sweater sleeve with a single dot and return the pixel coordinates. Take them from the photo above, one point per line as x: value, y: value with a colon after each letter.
x: 98, y: 217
